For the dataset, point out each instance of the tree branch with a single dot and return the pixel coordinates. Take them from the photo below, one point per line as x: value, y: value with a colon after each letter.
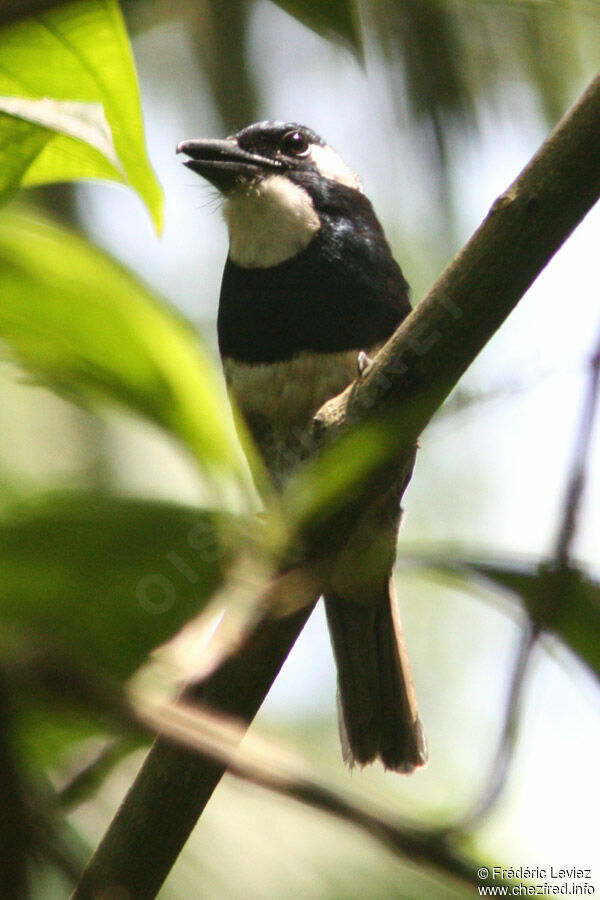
x: 411, y: 377
x: 276, y: 770
x: 175, y: 784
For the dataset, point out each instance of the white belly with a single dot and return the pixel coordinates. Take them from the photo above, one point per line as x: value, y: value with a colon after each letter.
x: 278, y: 401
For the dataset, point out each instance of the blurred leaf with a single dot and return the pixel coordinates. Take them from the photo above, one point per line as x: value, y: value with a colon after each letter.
x: 328, y: 483
x: 83, y: 121
x: 446, y: 56
x: 337, y: 18
x: 68, y: 73
x: 547, y: 44
x: 54, y: 732
x: 95, y: 760
x: 217, y: 31
x: 88, y: 329
x: 562, y: 601
x: 426, y: 38
x: 106, y: 580
x: 326, y: 490
x: 20, y: 143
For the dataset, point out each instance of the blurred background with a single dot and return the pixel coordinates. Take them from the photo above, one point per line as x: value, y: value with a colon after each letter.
x: 448, y: 103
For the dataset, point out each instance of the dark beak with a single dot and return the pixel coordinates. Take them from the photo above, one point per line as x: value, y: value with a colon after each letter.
x: 225, y: 164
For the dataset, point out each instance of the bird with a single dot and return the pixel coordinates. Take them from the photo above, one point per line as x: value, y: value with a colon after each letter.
x: 310, y: 291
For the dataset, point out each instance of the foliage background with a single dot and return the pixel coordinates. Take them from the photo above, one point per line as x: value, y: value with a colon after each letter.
x: 451, y: 101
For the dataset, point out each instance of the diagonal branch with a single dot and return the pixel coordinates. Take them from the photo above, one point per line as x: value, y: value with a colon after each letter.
x: 410, y: 378
x: 276, y: 770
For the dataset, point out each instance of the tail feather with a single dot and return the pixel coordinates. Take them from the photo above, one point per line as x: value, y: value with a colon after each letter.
x: 378, y: 713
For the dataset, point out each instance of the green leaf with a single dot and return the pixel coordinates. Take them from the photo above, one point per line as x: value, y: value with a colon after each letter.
x: 87, y: 328
x: 105, y: 580
x: 69, y: 74
x: 85, y: 122
x: 328, y: 486
x: 338, y: 18
x: 19, y: 144
x: 563, y: 601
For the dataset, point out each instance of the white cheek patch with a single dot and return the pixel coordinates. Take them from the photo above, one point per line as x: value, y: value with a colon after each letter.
x: 330, y: 165
x: 269, y: 222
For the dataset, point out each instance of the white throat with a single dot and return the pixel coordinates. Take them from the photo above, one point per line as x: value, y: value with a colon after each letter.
x: 269, y: 222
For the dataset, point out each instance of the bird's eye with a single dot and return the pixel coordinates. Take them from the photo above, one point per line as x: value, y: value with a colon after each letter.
x: 295, y: 144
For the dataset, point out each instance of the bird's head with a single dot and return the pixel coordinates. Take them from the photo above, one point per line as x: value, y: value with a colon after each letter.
x: 275, y: 178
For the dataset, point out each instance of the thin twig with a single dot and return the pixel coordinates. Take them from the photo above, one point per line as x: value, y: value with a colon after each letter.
x: 272, y: 768
x: 576, y: 482
x: 578, y: 473
x: 507, y: 742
